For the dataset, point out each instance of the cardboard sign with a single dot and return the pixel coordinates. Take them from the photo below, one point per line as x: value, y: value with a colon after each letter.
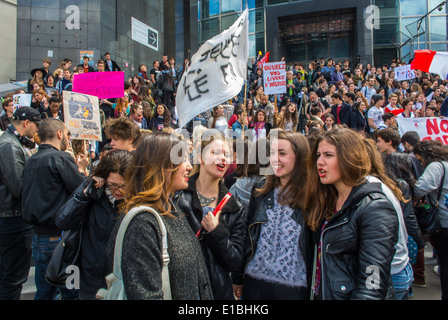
x: 404, y: 73
x: 21, y: 100
x: 103, y: 85
x: 82, y: 116
x: 274, y: 77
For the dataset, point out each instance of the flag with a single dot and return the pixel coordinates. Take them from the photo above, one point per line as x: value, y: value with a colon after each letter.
x: 263, y: 60
x: 431, y: 62
x: 217, y: 72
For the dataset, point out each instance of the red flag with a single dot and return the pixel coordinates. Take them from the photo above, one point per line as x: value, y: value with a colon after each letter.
x: 263, y: 60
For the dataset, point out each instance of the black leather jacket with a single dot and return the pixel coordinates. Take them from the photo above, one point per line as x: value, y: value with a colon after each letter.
x: 256, y: 217
x: 13, y: 158
x: 358, y: 247
x: 222, y: 247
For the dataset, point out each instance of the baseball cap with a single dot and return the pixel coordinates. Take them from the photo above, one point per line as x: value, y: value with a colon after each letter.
x: 27, y: 113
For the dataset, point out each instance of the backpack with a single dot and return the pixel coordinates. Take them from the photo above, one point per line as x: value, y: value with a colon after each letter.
x: 115, y: 286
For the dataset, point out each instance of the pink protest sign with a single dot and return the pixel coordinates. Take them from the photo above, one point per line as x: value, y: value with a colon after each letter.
x: 104, y: 85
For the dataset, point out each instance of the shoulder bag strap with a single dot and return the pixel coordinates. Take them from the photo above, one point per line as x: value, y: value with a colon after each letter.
x: 441, y: 184
x: 119, y: 246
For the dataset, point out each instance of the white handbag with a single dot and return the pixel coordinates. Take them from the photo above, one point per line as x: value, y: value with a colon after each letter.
x: 115, y: 286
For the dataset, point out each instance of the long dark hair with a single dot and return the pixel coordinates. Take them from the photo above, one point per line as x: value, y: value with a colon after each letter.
x: 292, y: 193
x: 431, y: 150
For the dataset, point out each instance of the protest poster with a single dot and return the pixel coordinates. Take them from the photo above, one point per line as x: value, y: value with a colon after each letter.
x: 217, y: 72
x: 404, y: 73
x: 274, y: 77
x: 426, y: 128
x: 103, y: 85
x: 82, y: 116
x: 21, y: 100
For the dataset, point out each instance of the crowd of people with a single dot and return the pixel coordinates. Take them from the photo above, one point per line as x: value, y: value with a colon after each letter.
x: 333, y: 204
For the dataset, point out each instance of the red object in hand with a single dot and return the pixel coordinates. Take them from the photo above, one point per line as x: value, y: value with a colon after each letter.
x: 217, y: 209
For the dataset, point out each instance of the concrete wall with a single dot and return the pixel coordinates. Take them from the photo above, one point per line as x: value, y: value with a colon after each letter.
x: 8, y: 40
x: 105, y: 26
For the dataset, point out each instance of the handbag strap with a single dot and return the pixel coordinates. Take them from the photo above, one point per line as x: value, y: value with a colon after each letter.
x: 119, y: 247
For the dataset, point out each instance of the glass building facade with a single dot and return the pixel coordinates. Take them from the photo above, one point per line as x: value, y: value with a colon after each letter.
x: 408, y: 25
x: 302, y: 30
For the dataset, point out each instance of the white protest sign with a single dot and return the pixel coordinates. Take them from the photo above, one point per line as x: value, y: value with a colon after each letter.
x: 404, y: 73
x: 426, y: 128
x: 21, y: 100
x: 274, y: 77
x: 82, y: 116
x: 217, y: 72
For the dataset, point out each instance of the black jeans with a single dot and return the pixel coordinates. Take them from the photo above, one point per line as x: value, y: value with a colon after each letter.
x: 15, y: 263
x: 440, y: 242
x: 254, y: 289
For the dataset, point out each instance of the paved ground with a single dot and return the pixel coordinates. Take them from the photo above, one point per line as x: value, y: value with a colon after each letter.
x: 431, y: 292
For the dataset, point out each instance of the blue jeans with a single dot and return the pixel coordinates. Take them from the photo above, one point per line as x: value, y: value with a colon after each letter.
x: 403, y: 282
x: 42, y: 250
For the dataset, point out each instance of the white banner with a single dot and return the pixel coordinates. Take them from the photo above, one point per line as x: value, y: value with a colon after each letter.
x: 404, y: 73
x: 427, y: 128
x: 274, y: 77
x: 217, y: 72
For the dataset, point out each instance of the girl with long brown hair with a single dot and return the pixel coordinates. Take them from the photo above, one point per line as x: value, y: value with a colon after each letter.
x: 356, y: 223
x: 277, y: 251
x: 221, y: 236
x: 159, y: 168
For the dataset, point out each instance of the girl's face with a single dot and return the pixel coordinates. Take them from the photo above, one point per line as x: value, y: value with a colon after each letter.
x: 362, y: 106
x: 38, y: 96
x: 220, y: 111
x: 260, y: 117
x: 429, y: 112
x: 260, y: 91
x: 139, y: 111
x: 329, y: 122
x: 116, y: 185
x: 282, y: 159
x: 216, y: 159
x: 409, y: 106
x: 160, y: 110
x: 328, y: 164
x: 292, y: 108
x: 181, y: 177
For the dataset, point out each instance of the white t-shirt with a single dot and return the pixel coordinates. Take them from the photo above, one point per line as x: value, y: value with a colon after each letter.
x: 375, y: 114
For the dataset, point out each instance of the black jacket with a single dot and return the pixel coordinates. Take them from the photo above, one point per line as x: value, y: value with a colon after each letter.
x: 12, y: 161
x: 91, y: 69
x: 358, y: 121
x: 358, y: 245
x: 256, y: 217
x: 115, y: 66
x: 97, y: 217
x: 222, y: 247
x: 410, y: 219
x: 344, y: 113
x: 50, y: 177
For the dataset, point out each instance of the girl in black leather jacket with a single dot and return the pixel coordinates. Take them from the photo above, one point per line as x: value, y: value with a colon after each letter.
x: 222, y: 236
x: 356, y: 225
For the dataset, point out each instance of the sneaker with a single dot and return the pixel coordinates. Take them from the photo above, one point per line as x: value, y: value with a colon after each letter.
x: 419, y: 283
x: 437, y: 270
